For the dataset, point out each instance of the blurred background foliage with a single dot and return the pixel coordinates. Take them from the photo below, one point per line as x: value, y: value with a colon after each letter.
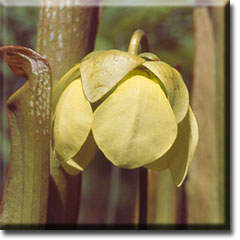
x: 170, y: 34
x: 169, y: 31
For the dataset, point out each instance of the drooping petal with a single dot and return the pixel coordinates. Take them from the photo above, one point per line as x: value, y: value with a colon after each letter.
x: 82, y: 159
x: 60, y: 86
x: 103, y: 71
x: 176, y: 88
x: 135, y: 125
x: 149, y: 56
x: 180, y: 155
x: 91, y: 54
x: 72, y: 123
x: 184, y: 148
x: 159, y: 164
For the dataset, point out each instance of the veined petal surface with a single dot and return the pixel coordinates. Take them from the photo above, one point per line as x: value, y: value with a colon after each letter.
x: 72, y: 122
x: 176, y: 88
x: 102, y: 72
x: 135, y: 125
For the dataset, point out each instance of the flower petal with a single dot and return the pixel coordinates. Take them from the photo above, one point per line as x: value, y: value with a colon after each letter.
x: 180, y: 155
x: 82, y: 159
x: 103, y: 71
x: 149, y: 56
x: 184, y: 148
x: 67, y: 78
x: 72, y: 122
x: 159, y: 164
x: 131, y: 124
x: 176, y: 88
x: 91, y: 54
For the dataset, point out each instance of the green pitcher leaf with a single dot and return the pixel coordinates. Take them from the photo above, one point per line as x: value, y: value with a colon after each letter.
x: 65, y: 35
x: 135, y: 125
x: 176, y: 88
x: 72, y: 123
x: 29, y: 114
x: 103, y: 71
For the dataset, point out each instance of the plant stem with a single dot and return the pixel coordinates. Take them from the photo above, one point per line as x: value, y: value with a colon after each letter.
x: 138, y: 37
x: 113, y: 194
x: 143, y: 197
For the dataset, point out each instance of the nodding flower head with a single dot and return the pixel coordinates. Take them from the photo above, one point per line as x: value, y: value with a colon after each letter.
x: 141, y: 113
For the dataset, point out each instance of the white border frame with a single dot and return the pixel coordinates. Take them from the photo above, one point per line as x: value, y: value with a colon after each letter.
x: 116, y: 3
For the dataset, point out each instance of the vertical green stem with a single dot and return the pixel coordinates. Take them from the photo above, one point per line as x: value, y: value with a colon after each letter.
x: 139, y: 37
x: 113, y: 194
x: 160, y: 198
x: 143, y: 195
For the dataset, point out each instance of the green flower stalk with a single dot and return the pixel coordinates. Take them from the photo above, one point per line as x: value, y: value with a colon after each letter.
x: 142, y: 115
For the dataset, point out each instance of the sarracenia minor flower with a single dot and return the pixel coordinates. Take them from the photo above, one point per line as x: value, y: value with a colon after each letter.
x: 142, y: 115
